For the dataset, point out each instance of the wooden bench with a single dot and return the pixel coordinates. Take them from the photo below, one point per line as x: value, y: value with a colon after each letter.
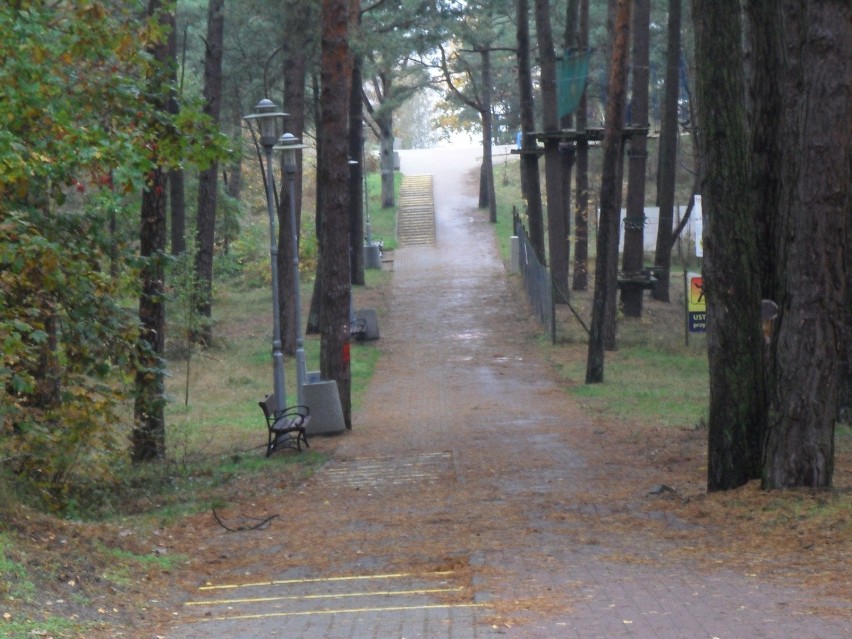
x: 287, y: 427
x: 646, y: 280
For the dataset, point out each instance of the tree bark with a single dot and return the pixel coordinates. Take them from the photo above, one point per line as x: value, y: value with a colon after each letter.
x: 557, y: 223
x: 384, y: 120
x: 148, y: 438
x: 487, y: 194
x: 667, y: 164
x: 356, y: 173
x: 333, y: 175
x: 312, y: 325
x: 815, y: 180
x: 177, y: 198
x: 607, y: 244
x: 301, y: 21
x: 844, y: 391
x: 581, y: 209
x: 633, y: 260
x: 529, y: 159
x: 207, y: 179
x: 568, y: 150
x: 730, y: 268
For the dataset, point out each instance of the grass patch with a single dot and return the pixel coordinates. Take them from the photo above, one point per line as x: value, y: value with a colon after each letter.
x: 644, y: 384
x: 382, y: 219
x: 507, y: 185
x: 14, y: 579
x: 50, y: 627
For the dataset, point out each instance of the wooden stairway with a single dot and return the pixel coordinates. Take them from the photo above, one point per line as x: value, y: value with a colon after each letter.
x: 416, y: 216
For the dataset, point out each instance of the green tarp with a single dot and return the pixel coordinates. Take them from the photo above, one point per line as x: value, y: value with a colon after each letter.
x: 571, y: 80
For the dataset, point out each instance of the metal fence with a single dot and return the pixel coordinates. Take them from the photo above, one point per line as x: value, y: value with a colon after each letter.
x: 536, y: 278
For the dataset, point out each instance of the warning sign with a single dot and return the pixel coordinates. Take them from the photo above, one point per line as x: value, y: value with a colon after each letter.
x: 696, y: 294
x: 697, y: 322
x: 696, y: 304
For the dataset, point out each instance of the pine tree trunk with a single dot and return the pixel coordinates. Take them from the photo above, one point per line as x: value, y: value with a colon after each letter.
x: 207, y: 179
x: 384, y: 120
x: 607, y: 244
x: 730, y: 269
x: 803, y: 391
x: 356, y: 176
x: 298, y: 17
x: 177, y: 199
x: 487, y: 194
x: 529, y: 159
x: 633, y: 260
x: 557, y: 227
x: 333, y: 175
x: 581, y: 210
x: 667, y: 166
x: 148, y: 437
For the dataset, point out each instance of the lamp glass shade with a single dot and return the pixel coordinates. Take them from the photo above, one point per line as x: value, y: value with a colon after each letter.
x: 289, y: 144
x: 267, y: 115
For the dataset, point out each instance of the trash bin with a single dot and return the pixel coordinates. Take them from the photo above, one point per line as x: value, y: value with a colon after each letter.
x: 373, y: 256
x: 322, y: 397
x: 367, y: 318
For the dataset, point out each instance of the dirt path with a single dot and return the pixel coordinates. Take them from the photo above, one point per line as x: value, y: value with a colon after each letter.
x: 471, y: 499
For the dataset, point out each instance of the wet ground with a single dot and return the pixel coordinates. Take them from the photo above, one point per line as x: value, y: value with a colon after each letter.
x: 471, y: 499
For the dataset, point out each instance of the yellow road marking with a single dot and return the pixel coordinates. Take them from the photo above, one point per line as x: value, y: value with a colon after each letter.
x: 288, y: 582
x: 379, y: 593
x: 344, y: 611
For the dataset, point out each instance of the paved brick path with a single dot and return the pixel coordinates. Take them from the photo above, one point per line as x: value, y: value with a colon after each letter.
x: 458, y: 507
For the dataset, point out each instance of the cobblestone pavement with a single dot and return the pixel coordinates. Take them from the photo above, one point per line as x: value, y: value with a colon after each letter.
x: 458, y: 507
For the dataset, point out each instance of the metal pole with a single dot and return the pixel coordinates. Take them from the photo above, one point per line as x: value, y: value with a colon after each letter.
x: 297, y: 310
x: 277, y: 356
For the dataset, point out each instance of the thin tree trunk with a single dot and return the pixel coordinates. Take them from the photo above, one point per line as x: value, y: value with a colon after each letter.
x: 177, y: 199
x: 313, y: 322
x: 567, y: 151
x: 384, y: 120
x: 148, y: 438
x: 297, y: 43
x: 633, y: 260
x: 557, y: 226
x: 581, y: 210
x: 487, y: 174
x: 667, y: 164
x: 207, y: 179
x: 356, y: 174
x: 610, y: 193
x: 529, y: 157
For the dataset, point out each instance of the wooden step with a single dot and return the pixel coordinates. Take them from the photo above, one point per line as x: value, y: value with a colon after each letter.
x: 416, y: 213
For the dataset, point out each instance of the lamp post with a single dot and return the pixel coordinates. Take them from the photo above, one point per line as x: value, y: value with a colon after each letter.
x: 289, y: 145
x: 267, y: 116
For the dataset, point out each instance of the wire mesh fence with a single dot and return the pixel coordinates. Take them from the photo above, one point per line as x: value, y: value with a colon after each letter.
x: 536, y: 278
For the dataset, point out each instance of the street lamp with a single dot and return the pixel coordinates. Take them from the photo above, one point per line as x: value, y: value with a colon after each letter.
x: 289, y: 145
x: 267, y: 116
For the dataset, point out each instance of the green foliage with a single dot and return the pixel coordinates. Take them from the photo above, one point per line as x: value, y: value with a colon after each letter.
x: 67, y: 345
x: 78, y: 133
